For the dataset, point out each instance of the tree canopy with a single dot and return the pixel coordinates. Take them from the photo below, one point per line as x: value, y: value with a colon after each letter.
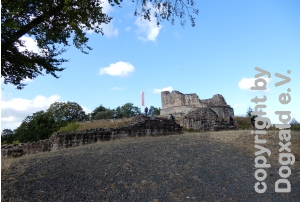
x: 127, y: 110
x: 52, y: 22
x: 97, y: 110
x: 36, y: 127
x: 7, y: 136
x: 63, y: 113
x: 155, y: 111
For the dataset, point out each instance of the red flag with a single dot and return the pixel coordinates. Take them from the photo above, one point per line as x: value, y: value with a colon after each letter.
x: 142, y: 98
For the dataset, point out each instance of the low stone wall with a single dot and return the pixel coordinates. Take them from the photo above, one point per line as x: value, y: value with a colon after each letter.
x: 139, y: 126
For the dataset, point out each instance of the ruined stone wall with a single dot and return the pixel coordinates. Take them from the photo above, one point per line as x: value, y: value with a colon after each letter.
x: 204, y: 119
x: 177, y: 99
x: 179, y: 104
x: 139, y: 126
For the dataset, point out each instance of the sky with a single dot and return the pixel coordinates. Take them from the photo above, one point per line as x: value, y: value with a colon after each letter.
x: 217, y: 56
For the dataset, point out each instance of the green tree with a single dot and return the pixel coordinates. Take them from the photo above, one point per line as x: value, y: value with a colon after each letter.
x: 64, y: 113
x: 119, y: 112
x: 294, y: 121
x: 39, y: 126
x: 51, y: 23
x: 96, y: 111
x: 249, y: 110
x: 295, y: 125
x: 155, y: 111
x: 7, y: 136
x: 129, y: 110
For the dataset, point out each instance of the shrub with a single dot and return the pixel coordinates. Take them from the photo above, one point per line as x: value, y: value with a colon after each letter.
x: 244, y: 122
x: 16, y: 142
x: 70, y: 127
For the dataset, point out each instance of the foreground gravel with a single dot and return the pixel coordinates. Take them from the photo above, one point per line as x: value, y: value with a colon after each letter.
x: 189, y: 167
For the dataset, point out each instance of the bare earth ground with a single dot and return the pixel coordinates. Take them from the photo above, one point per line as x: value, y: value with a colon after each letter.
x: 216, y: 166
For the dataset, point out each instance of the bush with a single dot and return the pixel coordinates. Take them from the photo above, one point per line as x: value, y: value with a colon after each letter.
x: 16, y: 142
x: 244, y: 122
x: 295, y: 127
x: 70, y: 127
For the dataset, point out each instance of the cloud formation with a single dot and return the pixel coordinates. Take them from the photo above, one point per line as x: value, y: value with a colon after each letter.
x: 30, y: 44
x: 109, y: 30
x: 169, y: 88
x: 148, y: 30
x: 118, y: 69
x: 247, y: 83
x: 15, y: 110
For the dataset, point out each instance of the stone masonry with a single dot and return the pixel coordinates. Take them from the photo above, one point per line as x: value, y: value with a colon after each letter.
x: 180, y: 104
x: 139, y: 126
x: 204, y: 119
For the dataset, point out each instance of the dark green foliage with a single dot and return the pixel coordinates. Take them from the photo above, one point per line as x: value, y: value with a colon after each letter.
x: 248, y: 112
x: 294, y: 121
x: 64, y: 113
x: 7, y: 136
x: 119, y: 112
x: 51, y: 24
x: 107, y: 114
x: 295, y: 126
x: 167, y: 10
x: 96, y: 111
x: 155, y: 111
x: 42, y: 124
x: 127, y: 110
x: 39, y: 126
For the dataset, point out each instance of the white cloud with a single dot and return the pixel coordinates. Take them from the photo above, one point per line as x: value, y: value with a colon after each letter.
x: 148, y: 28
x: 118, y: 69
x: 109, y: 30
x: 127, y: 29
x: 30, y: 44
x: 163, y: 89
x: 13, y: 111
x: 87, y: 110
x: 27, y: 80
x: 106, y: 7
x: 247, y: 83
x: 118, y: 88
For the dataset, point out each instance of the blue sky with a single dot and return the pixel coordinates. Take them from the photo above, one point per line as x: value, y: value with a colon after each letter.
x: 217, y: 56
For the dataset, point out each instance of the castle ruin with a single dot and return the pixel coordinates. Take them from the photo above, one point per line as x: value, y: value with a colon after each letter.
x: 205, y: 114
x: 180, y: 104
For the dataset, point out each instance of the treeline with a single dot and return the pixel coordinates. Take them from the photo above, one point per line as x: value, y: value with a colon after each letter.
x: 42, y: 124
